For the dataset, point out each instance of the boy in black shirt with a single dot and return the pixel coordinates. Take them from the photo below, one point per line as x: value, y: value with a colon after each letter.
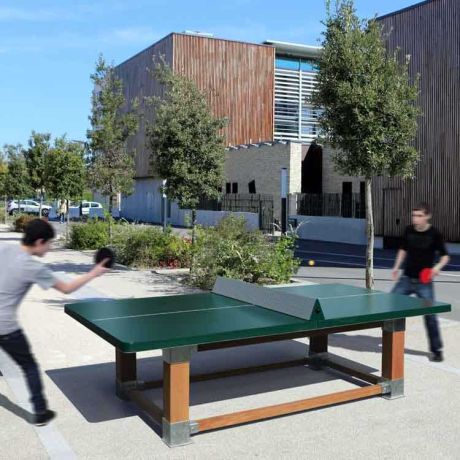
x: 420, y: 244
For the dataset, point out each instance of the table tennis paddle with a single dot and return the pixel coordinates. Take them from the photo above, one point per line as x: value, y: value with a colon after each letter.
x: 426, y: 275
x: 105, y: 253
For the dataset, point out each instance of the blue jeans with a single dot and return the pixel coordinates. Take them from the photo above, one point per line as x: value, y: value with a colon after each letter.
x: 408, y: 286
x: 17, y: 346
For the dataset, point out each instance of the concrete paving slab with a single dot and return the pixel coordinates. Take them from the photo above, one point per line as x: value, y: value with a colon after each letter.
x: 78, y: 374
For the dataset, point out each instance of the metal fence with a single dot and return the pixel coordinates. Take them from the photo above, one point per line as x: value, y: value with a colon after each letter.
x: 244, y: 202
x: 331, y: 204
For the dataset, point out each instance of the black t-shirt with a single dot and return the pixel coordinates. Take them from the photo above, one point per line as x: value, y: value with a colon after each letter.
x: 421, y: 248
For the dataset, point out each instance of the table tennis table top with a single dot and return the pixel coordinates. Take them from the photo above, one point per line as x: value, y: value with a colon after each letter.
x: 233, y: 311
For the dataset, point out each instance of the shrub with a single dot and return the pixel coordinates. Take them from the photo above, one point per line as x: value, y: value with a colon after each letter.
x: 91, y: 235
x: 232, y: 251
x: 136, y: 246
x: 21, y: 222
x: 146, y: 247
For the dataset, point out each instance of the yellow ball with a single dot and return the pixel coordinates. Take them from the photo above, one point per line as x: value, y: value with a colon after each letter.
x: 311, y: 263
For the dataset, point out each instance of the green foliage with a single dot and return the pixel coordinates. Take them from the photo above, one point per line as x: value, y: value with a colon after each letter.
x: 3, y: 176
x: 369, y: 103
x: 147, y: 247
x: 232, y: 251
x: 136, y: 246
x: 91, y: 235
x: 21, y: 222
x: 16, y: 181
x: 185, y: 140
x: 111, y: 168
x: 65, y: 170
x: 36, y: 160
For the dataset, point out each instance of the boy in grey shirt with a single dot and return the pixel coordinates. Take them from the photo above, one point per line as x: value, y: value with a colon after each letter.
x: 19, y: 270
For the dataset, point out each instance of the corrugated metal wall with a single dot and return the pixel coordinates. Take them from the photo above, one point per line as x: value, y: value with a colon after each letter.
x: 239, y: 78
x: 430, y: 33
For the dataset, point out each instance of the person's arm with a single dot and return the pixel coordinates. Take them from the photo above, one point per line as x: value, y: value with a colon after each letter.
x: 443, y: 261
x: 77, y: 283
x: 401, y: 256
x: 442, y: 250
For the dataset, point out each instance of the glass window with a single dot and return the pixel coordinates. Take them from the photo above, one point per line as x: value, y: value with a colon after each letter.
x: 308, y: 65
x: 287, y: 63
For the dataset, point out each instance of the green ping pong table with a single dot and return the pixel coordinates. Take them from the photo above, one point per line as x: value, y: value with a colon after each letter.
x: 236, y: 313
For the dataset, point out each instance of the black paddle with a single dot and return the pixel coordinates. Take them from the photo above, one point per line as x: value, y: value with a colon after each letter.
x: 105, y: 253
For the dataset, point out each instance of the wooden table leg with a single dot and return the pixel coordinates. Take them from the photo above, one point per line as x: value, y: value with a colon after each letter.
x: 393, y: 357
x: 176, y: 396
x: 126, y: 372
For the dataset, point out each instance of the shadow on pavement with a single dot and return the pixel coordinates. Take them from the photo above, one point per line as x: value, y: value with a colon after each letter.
x: 365, y: 343
x: 91, y: 389
x: 15, y: 409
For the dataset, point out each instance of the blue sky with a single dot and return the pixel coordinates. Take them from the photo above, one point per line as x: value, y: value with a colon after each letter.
x: 48, y: 48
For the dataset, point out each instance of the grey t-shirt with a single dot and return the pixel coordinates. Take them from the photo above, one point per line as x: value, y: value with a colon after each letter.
x: 18, y: 272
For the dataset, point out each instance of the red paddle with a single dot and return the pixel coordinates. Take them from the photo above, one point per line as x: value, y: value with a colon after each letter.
x: 426, y: 275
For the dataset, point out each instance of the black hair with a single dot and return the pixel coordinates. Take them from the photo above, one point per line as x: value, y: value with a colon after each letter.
x: 37, y: 229
x: 422, y: 206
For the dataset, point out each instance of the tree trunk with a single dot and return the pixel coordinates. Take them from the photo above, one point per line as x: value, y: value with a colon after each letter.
x: 370, y: 236
x: 5, y: 214
x: 193, y: 240
x: 41, y: 204
x: 110, y: 219
x: 67, y: 224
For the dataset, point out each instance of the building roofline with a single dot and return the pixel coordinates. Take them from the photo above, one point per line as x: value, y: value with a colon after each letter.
x: 403, y: 10
x: 144, y: 50
x: 265, y: 45
x: 206, y: 37
x: 295, y: 49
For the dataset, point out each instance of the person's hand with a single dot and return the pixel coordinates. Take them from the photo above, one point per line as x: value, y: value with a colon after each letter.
x: 100, y: 268
x: 395, y: 274
x: 435, y: 272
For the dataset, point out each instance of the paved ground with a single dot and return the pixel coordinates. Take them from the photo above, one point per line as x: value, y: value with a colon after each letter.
x: 326, y: 254
x: 94, y: 424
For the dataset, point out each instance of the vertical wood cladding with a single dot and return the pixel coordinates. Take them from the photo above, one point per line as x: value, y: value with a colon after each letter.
x: 139, y: 83
x: 430, y: 34
x: 239, y: 80
x: 237, y: 77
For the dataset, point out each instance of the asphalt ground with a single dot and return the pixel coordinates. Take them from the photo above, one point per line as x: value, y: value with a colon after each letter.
x: 341, y: 255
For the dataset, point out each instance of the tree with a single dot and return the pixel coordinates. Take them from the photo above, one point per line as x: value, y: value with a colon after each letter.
x: 369, y: 105
x: 185, y: 142
x: 16, y: 182
x: 3, y: 193
x: 111, y: 168
x: 66, y: 172
x: 35, y: 155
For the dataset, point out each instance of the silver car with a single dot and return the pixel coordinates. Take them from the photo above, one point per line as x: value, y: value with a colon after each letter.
x: 27, y: 207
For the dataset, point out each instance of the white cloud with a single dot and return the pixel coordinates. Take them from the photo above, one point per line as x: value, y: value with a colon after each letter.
x: 33, y: 14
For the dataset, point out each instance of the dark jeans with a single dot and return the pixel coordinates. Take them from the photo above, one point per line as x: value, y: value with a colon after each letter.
x: 17, y: 346
x: 408, y: 286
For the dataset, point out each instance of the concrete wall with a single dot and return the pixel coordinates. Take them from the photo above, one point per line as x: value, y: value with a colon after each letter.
x: 263, y: 164
x: 337, y: 229
x: 332, y: 180
x: 145, y: 203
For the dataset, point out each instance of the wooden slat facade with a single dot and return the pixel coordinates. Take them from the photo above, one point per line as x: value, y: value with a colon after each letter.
x: 238, y: 78
x: 138, y: 83
x: 430, y: 33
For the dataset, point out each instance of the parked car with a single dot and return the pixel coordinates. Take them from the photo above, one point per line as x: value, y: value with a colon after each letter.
x: 86, y: 205
x: 27, y: 207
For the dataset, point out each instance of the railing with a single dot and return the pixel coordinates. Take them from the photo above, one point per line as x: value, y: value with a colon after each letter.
x: 243, y: 202
x: 331, y: 204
